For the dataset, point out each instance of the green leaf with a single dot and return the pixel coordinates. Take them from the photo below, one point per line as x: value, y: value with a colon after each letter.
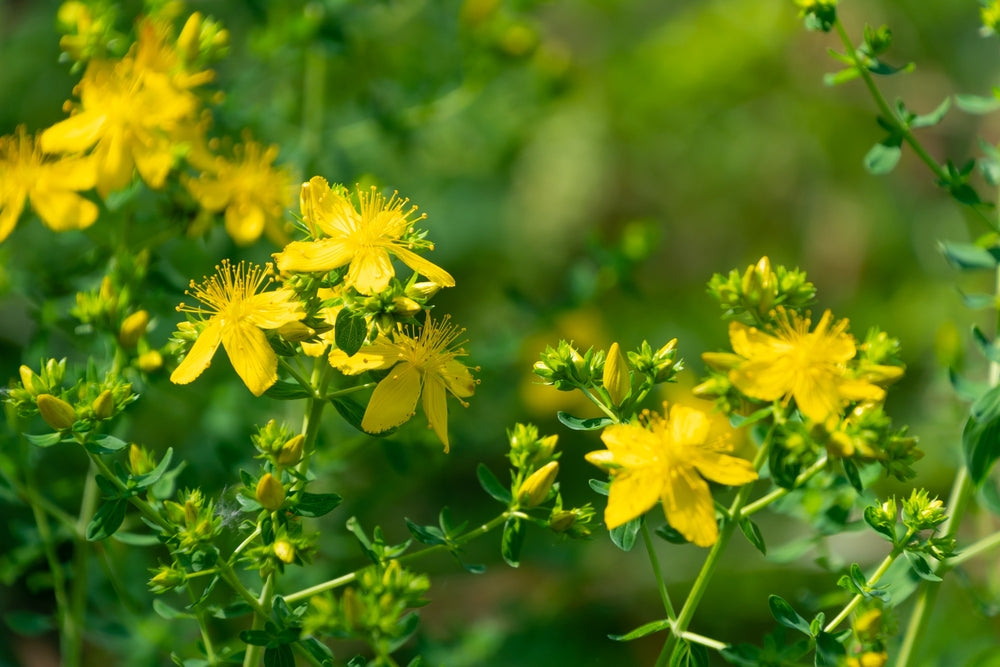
x: 28, y: 623
x: 853, y: 476
x: 318, y: 650
x: 350, y: 331
x: 688, y: 654
x: 279, y: 656
x: 977, y: 104
x: 670, y: 534
x: 642, y: 631
x: 578, y: 424
x: 355, y: 528
x: 920, y: 566
x: 600, y: 486
x: 788, y: 617
x: 752, y: 532
x: 492, y: 485
x: 107, y: 519
x: 316, y: 504
x: 989, y: 494
x: 966, y: 389
x: 136, y: 540
x: 843, y: 76
x: 353, y: 412
x: 624, y: 535
x: 105, y: 444
x: 140, y: 482
x: 878, y: 67
x: 932, y: 118
x: 287, y: 391
x: 170, y: 613
x: 978, y: 301
x: 968, y: 256
x: 739, y: 421
x: 512, y: 541
x: 46, y: 440
x: 883, y: 156
x: 430, y: 535
x: 987, y: 346
x: 981, y: 445
x: 255, y: 637
x: 829, y: 651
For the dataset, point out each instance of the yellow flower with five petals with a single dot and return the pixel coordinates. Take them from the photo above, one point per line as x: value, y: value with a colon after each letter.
x: 364, y: 237
x: 238, y: 312
x: 666, y: 458
x: 423, y: 365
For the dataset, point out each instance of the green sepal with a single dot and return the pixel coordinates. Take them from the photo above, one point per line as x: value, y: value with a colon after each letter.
x: 873, y: 517
x: 788, y: 617
x: 642, y: 630
x: 920, y: 566
x: 107, y: 519
x: 624, y: 535
x: 512, y: 541
x: 582, y: 424
x: 315, y: 504
x: 287, y: 391
x: 752, y: 532
x: 350, y: 331
x: 492, y: 485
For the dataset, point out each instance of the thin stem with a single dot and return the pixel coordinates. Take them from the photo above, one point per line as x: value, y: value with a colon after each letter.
x: 695, y: 638
x: 78, y: 592
x: 350, y: 390
x: 804, y: 476
x: 655, y: 563
x: 253, y: 654
x: 973, y: 550
x: 596, y: 401
x: 879, y: 572
x: 712, y: 560
x: 69, y: 631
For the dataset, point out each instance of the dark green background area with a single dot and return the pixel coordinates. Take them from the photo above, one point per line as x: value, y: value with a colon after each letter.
x: 585, y: 166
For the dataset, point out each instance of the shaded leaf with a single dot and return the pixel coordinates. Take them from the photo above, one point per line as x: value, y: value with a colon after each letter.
x: 920, y: 566
x: 967, y: 256
x: 279, y: 656
x: 579, y: 424
x: 492, y: 485
x: 287, y: 391
x: 883, y: 156
x: 46, y: 440
x: 788, y: 617
x: 316, y: 504
x: 350, y: 331
x: 105, y: 444
x: 977, y: 104
x: 829, y: 651
x: 624, y: 535
x: 642, y: 630
x: 752, y: 532
x: 107, y: 519
x: 512, y: 541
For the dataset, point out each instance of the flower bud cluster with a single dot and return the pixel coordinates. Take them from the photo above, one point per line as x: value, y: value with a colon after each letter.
x: 195, y: 519
x: 277, y: 444
x: 920, y: 519
x: 566, y: 369
x: 661, y: 365
x: 751, y: 296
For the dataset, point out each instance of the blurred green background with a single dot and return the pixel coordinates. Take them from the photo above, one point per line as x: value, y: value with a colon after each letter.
x: 586, y: 166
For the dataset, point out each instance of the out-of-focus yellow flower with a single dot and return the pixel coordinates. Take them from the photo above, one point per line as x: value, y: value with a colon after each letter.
x: 422, y: 365
x: 364, y: 238
x: 665, y: 458
x: 130, y: 113
x: 250, y: 189
x: 810, y: 367
x: 238, y: 312
x: 50, y: 184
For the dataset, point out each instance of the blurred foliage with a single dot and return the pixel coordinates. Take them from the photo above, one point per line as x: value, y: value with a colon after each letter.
x: 586, y: 167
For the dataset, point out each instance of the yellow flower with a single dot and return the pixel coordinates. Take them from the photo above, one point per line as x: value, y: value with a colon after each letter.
x: 665, y: 459
x: 425, y: 364
x: 329, y: 315
x: 362, y: 237
x: 238, y: 312
x: 253, y: 193
x: 810, y: 367
x: 130, y: 113
x: 51, y: 185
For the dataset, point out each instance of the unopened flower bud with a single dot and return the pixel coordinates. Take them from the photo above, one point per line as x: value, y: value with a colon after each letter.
x: 405, y: 306
x: 296, y: 332
x: 290, y: 452
x: 166, y: 579
x: 536, y: 488
x: 56, y: 412
x: 107, y: 294
x: 31, y: 382
x: 151, y: 361
x: 139, y: 461
x: 545, y: 448
x: 188, y: 41
x: 133, y: 328
x: 617, y: 380
x: 422, y: 290
x: 562, y: 521
x: 104, y: 405
x: 721, y: 361
x: 270, y: 492
x: 285, y: 551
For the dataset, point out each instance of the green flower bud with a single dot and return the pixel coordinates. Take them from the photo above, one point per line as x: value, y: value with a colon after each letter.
x: 291, y: 452
x: 535, y: 489
x: 56, y: 412
x: 405, y: 306
x: 166, y: 579
x: 285, y: 551
x: 104, y: 405
x: 31, y: 382
x: 270, y: 492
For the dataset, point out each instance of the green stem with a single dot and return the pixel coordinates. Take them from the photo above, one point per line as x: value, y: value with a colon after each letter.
x: 343, y: 580
x: 596, y: 401
x: 68, y: 634
x: 229, y: 576
x: 81, y: 550
x: 700, y: 585
x: 973, y: 550
x: 879, y: 572
x: 804, y: 476
x: 254, y: 652
x: 655, y: 563
x: 714, y: 644
x: 350, y: 390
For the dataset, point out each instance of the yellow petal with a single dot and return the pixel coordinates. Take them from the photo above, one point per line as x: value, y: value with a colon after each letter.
x: 244, y: 222
x: 210, y: 193
x: 436, y: 408
x: 153, y: 159
x: 200, y: 356
x: 632, y: 445
x: 633, y: 492
x: 688, y: 426
x: 75, y: 134
x: 766, y: 379
x: 689, y: 507
x: 251, y: 355
x: 70, y: 174
x: 379, y: 355
x: 424, y: 267
x: 458, y: 379
x: 858, y: 390
x: 818, y: 400
x: 274, y: 309
x: 114, y: 164
x: 306, y: 256
x: 393, y: 400
x: 63, y: 211
x: 10, y: 211
x: 370, y: 271
x: 722, y: 468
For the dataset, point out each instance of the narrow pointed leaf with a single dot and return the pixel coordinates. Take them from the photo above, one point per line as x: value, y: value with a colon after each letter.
x: 642, y: 630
